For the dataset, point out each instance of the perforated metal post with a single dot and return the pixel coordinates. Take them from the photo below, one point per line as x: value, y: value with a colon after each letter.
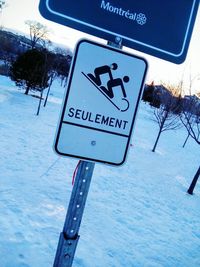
x: 69, y: 237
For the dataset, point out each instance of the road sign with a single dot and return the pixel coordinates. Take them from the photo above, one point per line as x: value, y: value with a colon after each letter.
x: 160, y: 28
x: 99, y: 110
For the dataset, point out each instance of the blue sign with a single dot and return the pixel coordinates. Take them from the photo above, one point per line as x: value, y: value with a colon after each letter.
x: 160, y: 28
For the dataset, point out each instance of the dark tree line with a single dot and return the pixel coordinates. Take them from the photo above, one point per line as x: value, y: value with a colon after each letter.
x: 33, y: 63
x: 13, y: 46
x: 34, y: 68
x: 9, y: 49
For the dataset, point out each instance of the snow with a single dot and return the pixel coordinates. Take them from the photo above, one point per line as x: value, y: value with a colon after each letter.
x: 136, y: 215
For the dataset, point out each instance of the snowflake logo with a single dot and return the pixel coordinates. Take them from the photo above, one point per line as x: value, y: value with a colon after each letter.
x: 141, y: 19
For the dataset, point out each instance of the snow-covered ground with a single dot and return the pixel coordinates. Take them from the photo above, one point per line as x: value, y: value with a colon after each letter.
x: 138, y: 215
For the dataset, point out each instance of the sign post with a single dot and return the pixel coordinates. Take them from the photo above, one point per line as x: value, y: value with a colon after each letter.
x: 69, y: 236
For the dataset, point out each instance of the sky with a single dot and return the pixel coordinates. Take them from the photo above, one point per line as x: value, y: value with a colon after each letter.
x: 17, y: 12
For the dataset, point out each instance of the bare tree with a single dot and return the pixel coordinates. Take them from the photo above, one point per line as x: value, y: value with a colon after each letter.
x: 167, y: 115
x: 188, y: 105
x: 190, y: 117
x: 59, y: 64
x: 38, y: 33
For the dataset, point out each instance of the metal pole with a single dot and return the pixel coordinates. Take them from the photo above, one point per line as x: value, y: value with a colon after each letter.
x: 117, y: 43
x: 69, y: 237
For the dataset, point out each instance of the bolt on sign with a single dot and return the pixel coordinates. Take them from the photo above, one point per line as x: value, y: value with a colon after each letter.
x: 99, y: 109
x: 160, y: 28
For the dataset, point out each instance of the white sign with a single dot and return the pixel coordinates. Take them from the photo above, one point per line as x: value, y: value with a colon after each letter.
x: 99, y: 109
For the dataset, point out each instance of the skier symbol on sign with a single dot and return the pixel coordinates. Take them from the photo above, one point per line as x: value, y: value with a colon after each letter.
x: 107, y: 91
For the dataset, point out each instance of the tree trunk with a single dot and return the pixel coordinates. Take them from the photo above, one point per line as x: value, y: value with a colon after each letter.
x: 160, y: 130
x: 51, y: 81
x: 194, y: 181
x: 27, y: 90
x: 158, y: 136
x: 186, y: 140
x: 39, y: 104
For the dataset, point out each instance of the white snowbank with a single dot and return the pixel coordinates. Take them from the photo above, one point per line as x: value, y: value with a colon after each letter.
x: 136, y: 215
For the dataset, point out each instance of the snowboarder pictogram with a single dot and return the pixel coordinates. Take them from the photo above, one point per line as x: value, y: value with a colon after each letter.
x: 108, y: 90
